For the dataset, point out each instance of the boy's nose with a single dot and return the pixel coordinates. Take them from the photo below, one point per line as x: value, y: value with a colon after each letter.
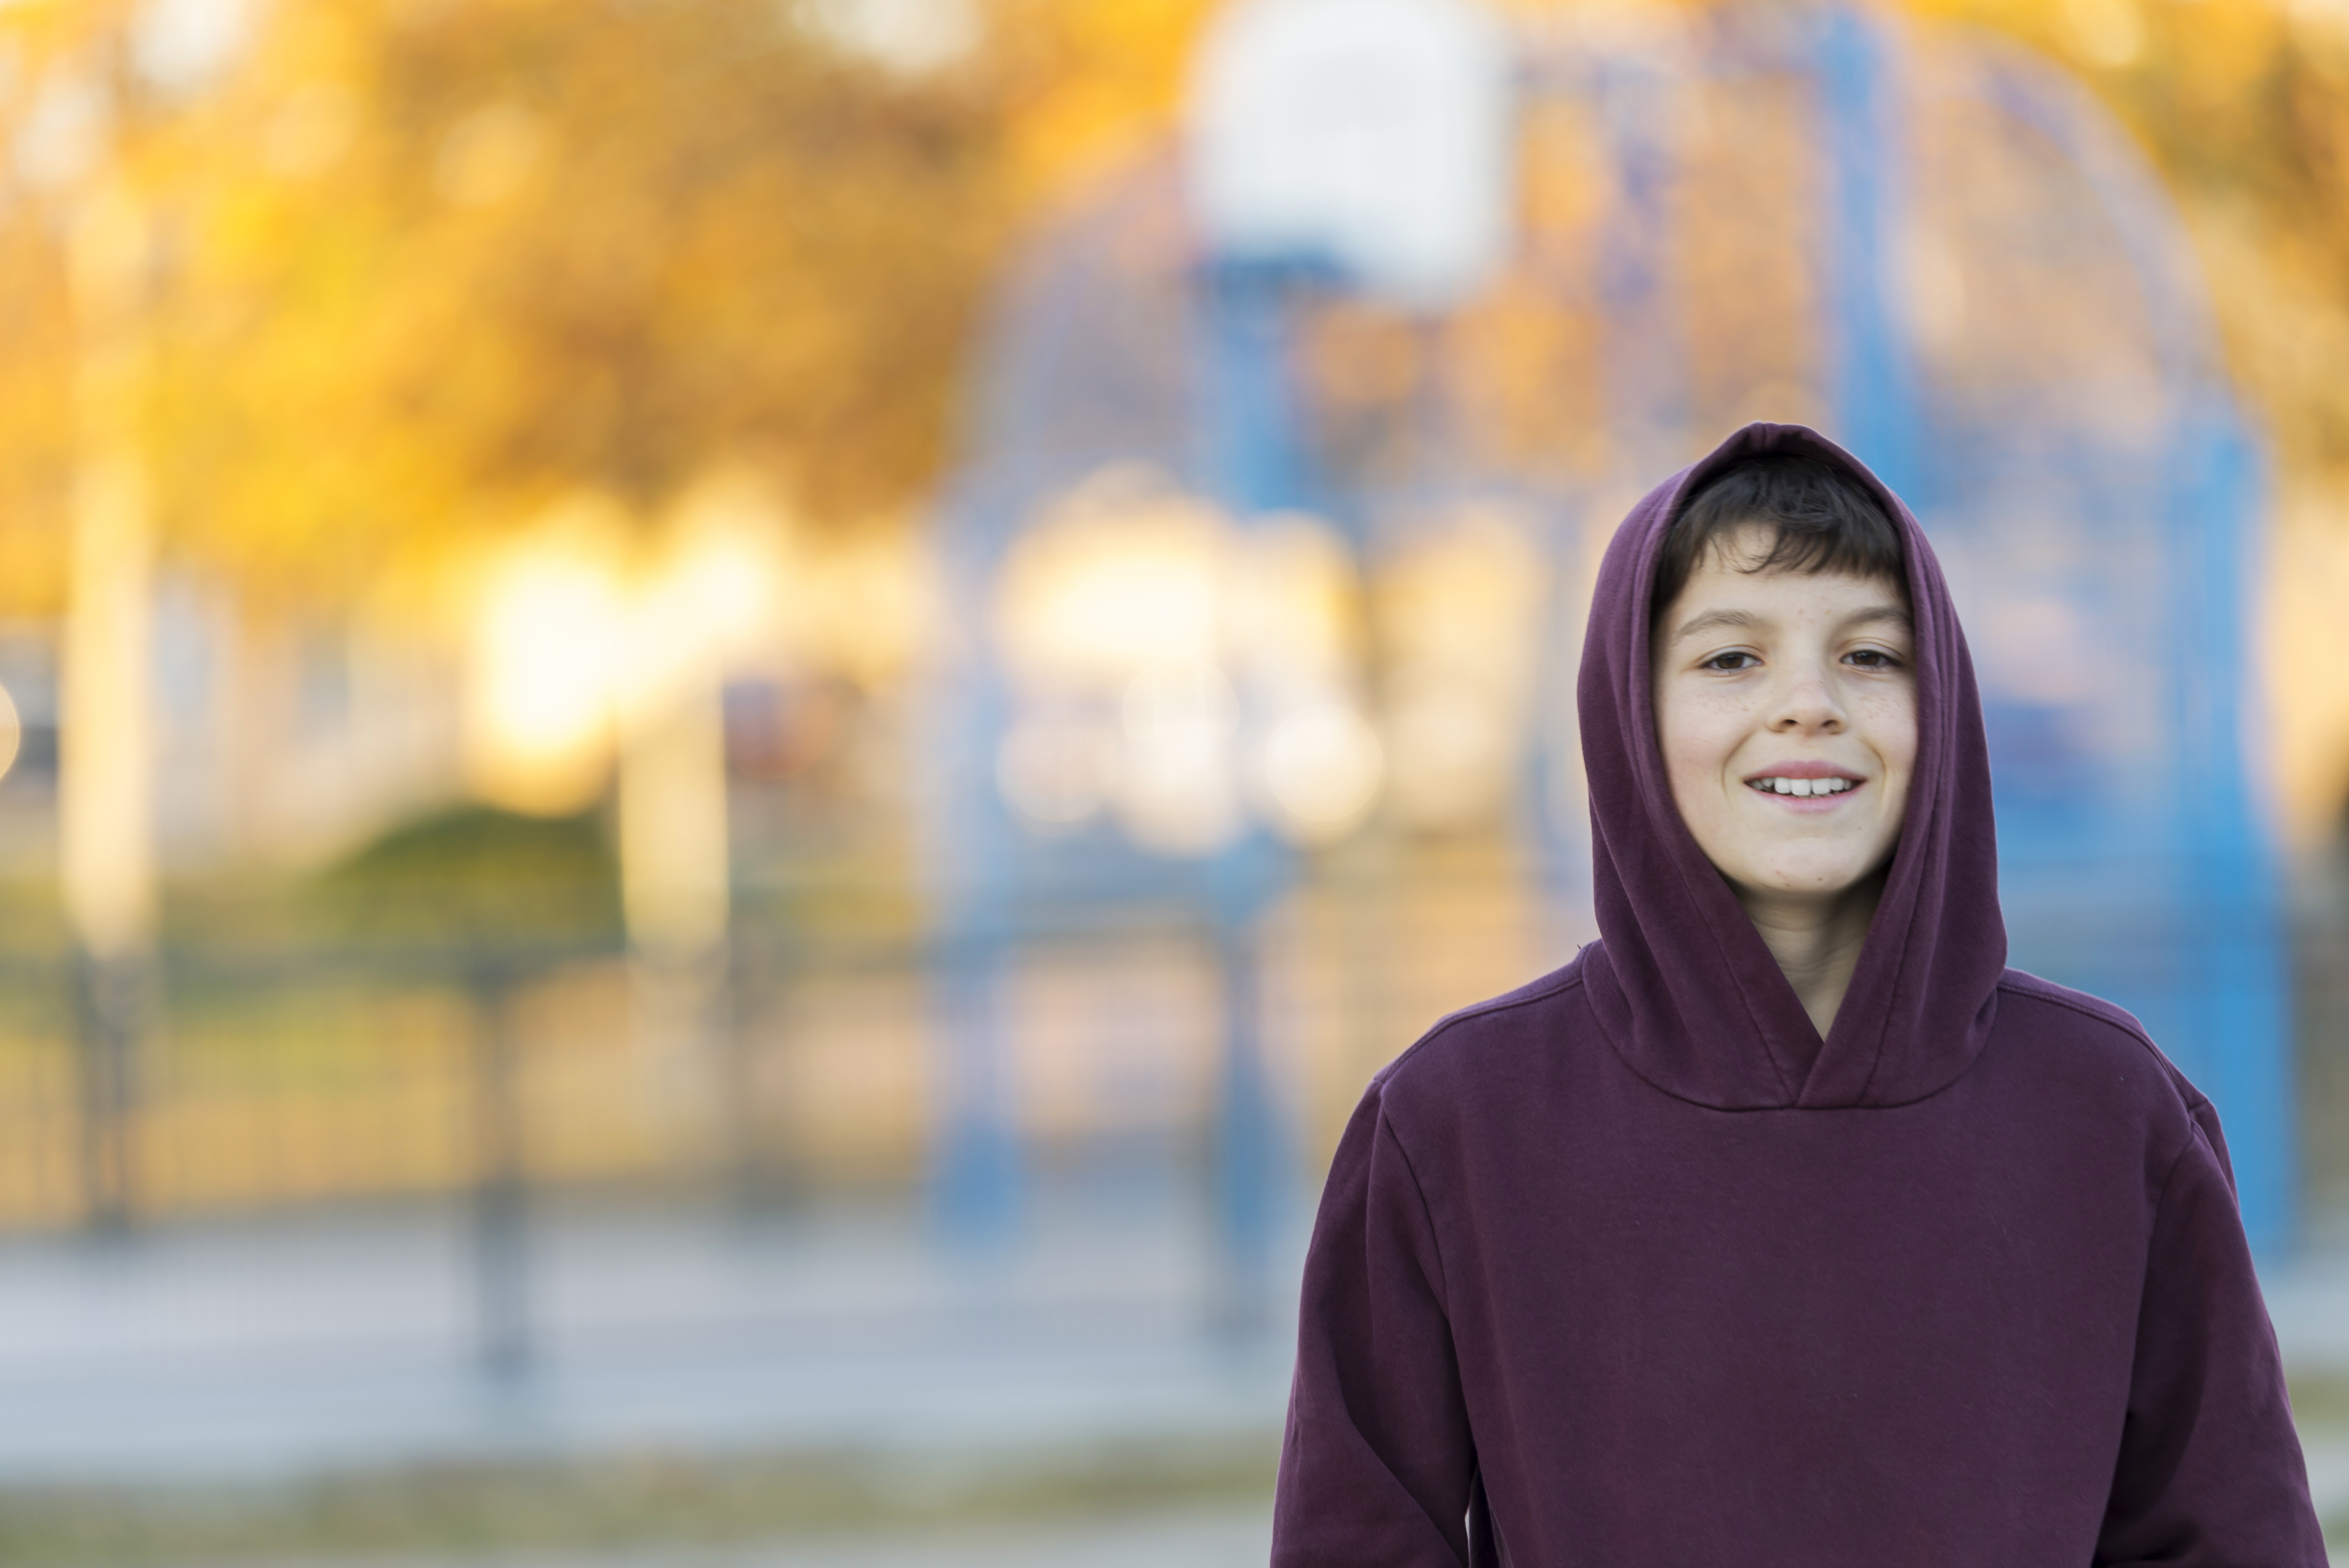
x: 1807, y: 704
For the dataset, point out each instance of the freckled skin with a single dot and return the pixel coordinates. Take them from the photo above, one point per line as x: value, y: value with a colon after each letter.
x: 1798, y: 666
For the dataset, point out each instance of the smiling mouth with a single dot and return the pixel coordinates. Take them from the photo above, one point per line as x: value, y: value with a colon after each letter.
x: 1801, y: 788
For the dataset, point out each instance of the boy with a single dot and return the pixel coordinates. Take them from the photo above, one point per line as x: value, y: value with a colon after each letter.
x: 1785, y: 1225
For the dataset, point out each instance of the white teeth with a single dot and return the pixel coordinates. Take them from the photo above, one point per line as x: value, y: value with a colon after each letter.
x: 1802, y: 787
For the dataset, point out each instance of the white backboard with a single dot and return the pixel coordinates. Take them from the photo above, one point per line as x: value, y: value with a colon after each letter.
x: 1376, y: 133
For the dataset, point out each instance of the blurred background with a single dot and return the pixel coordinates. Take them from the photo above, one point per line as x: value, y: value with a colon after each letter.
x: 732, y: 724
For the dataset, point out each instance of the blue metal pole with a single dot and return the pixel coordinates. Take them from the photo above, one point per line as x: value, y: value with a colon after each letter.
x: 1872, y: 382
x: 1257, y: 459
x: 974, y: 1174
x: 1249, y: 1145
x: 2234, y: 918
x: 975, y: 1177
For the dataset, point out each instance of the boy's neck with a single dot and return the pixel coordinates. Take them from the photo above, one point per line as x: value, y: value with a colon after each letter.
x: 1817, y: 940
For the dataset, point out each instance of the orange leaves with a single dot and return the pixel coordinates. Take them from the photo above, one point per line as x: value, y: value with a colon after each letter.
x: 426, y: 266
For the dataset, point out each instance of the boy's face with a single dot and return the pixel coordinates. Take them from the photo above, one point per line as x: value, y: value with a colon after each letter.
x: 1786, y: 711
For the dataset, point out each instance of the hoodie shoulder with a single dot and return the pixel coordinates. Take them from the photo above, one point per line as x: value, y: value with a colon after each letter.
x: 1504, y: 1025
x: 2080, y: 1025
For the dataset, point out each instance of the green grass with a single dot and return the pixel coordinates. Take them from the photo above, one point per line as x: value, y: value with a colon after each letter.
x: 2320, y: 1402
x: 655, y: 1499
x: 647, y: 1502
x: 2320, y: 1406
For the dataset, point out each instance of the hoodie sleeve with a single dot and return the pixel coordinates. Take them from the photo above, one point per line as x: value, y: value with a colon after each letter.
x: 2210, y: 1474
x: 1375, y: 1468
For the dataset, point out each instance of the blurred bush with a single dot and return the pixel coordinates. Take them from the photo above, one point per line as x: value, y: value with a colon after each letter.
x: 482, y: 879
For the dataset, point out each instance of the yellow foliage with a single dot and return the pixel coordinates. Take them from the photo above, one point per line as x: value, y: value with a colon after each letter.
x: 2244, y: 107
x: 1092, y: 85
x: 424, y: 267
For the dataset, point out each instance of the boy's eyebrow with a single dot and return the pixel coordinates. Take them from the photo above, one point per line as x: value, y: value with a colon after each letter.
x: 1713, y: 618
x: 1892, y: 612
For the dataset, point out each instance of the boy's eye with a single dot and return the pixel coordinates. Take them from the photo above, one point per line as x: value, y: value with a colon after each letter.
x: 1736, y: 659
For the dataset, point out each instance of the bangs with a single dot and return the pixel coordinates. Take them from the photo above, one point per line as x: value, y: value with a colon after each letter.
x: 1819, y: 518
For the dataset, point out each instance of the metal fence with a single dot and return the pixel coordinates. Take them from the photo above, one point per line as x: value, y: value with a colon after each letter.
x: 290, y: 1078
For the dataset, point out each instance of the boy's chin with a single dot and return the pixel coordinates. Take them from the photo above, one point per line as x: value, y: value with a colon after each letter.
x: 1827, y: 884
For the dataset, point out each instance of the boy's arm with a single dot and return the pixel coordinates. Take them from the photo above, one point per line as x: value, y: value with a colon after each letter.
x: 1375, y: 1468
x: 2210, y: 1471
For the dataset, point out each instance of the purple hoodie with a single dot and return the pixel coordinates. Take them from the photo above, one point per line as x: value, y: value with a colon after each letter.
x: 1629, y: 1267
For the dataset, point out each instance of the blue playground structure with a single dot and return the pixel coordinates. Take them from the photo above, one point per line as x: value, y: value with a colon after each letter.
x: 1927, y: 241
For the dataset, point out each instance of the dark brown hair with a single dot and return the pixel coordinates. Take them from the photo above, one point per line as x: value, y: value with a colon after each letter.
x: 1820, y: 518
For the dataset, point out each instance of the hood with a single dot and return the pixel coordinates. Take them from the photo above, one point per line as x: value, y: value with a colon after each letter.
x: 1683, y: 985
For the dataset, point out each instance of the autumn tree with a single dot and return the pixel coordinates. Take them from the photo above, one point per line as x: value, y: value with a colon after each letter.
x: 434, y: 264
